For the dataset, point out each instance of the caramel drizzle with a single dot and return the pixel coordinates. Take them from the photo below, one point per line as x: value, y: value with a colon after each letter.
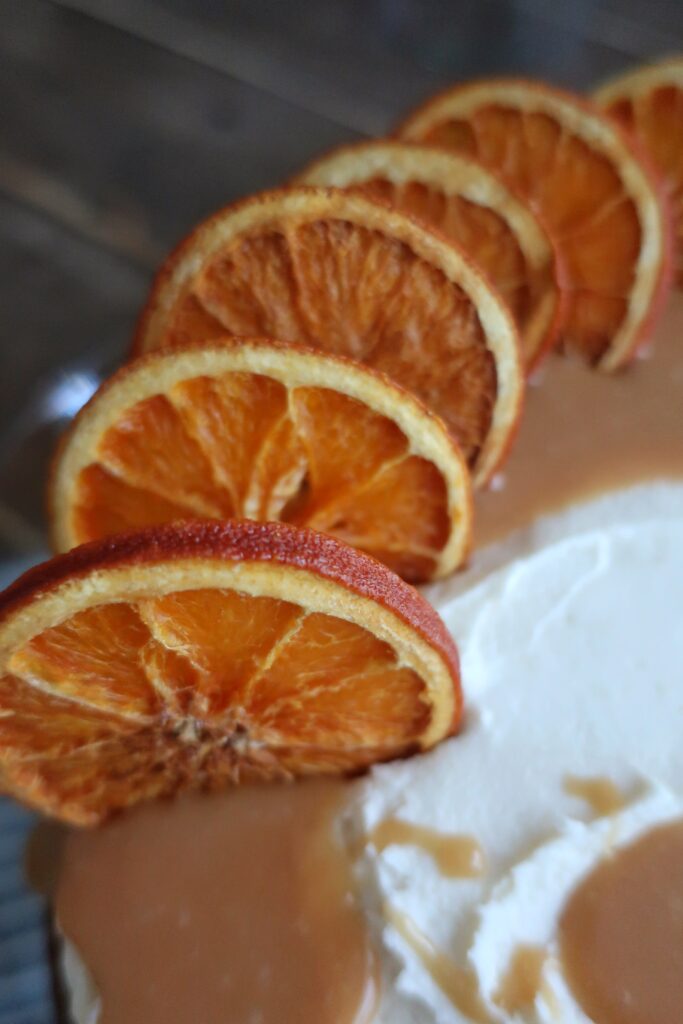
x: 523, y: 979
x: 600, y: 793
x: 456, y: 856
x: 459, y: 984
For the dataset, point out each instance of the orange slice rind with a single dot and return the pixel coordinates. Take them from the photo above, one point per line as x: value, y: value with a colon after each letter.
x: 471, y: 206
x: 201, y: 654
x: 352, y: 276
x: 255, y: 429
x: 598, y: 200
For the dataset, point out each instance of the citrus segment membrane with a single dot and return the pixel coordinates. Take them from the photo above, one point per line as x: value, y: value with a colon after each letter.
x: 203, y: 654
x: 598, y: 200
x: 352, y: 276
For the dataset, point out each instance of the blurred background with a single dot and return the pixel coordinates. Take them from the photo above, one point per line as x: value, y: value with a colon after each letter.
x: 123, y: 122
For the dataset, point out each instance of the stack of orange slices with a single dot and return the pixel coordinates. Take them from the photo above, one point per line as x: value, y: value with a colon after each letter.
x: 323, y: 373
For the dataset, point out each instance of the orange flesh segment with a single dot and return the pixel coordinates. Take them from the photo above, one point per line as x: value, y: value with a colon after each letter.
x: 203, y: 627
x: 108, y: 505
x: 326, y: 704
x: 230, y: 419
x: 137, y: 450
x: 194, y: 321
x: 224, y: 686
x: 580, y: 197
x: 242, y: 444
x: 656, y: 117
x: 350, y: 290
x: 87, y: 658
x: 345, y: 442
x: 108, y: 774
x: 416, y: 494
x: 35, y: 723
x: 481, y: 232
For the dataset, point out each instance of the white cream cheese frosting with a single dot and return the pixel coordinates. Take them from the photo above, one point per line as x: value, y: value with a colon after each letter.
x: 572, y: 666
x: 525, y: 905
x: 571, y: 642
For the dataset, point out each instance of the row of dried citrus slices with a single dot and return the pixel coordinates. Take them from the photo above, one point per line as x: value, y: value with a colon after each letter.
x: 394, y: 386
x: 508, y: 218
x: 410, y: 296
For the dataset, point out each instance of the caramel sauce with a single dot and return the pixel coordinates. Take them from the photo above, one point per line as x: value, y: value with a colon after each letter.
x: 584, y: 433
x: 221, y: 909
x: 456, y: 856
x: 458, y: 983
x: 522, y: 980
x: 600, y: 793
x: 621, y: 933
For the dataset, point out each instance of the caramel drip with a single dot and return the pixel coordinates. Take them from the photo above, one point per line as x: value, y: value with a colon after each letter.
x: 456, y: 856
x: 458, y: 983
x: 522, y: 981
x: 222, y: 908
x: 600, y: 793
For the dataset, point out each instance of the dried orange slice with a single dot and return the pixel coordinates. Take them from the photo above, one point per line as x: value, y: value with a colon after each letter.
x: 198, y: 654
x: 472, y: 207
x: 648, y: 102
x: 600, y: 203
x: 256, y: 429
x: 353, y: 276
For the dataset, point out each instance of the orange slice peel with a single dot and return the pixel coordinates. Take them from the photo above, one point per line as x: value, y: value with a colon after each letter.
x: 352, y: 276
x: 197, y: 655
x: 255, y: 429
